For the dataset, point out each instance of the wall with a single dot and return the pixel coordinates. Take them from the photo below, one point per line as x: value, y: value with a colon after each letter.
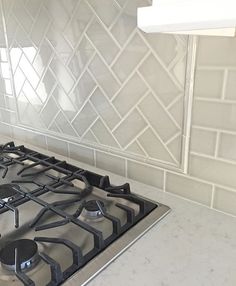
x: 71, y: 60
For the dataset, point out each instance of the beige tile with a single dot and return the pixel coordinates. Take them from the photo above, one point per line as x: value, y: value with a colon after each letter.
x: 83, y: 54
x: 66, y: 104
x: 81, y: 153
x: 125, y: 24
x: 163, y: 85
x: 177, y: 110
x: 225, y: 201
x: 57, y: 146
x: 50, y: 109
x: 104, y: 76
x: 213, y: 170
x: 102, y: 41
x: 36, y: 139
x: 90, y: 136
x: 145, y: 174
x: 158, y: 117
x: 110, y: 163
x: 6, y: 130
x: 208, y: 83
x: 64, y: 125
x: 129, y: 128
x: 82, y: 90
x: 30, y: 137
x: 78, y: 23
x: 8, y: 116
x: 62, y: 74
x: 203, y: 141
x: 103, y: 135
x: 189, y: 188
x: 135, y: 149
x: 216, y: 51
x: 227, y: 147
x: 164, y: 46
x: 215, y: 115
x: 175, y: 147
x: 154, y: 147
x: 130, y: 57
x: 105, y: 108
x: 130, y: 93
x: 106, y: 10
x: 230, y: 92
x: 84, y: 119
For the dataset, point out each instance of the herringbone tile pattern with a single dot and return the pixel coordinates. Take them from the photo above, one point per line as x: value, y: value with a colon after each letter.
x: 81, y: 68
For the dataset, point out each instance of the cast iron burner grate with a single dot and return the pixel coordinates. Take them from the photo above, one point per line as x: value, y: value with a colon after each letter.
x: 18, y: 259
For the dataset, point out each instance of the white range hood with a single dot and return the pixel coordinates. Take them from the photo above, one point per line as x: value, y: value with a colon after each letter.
x: 196, y: 17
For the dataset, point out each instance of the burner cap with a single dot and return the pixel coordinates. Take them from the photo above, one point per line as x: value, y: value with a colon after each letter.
x: 92, y: 210
x: 8, y: 192
x: 27, y: 253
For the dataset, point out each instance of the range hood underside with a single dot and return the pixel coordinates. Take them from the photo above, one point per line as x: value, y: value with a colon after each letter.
x: 196, y: 18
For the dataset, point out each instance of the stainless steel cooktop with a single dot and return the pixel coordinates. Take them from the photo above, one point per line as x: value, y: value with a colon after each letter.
x: 61, y: 224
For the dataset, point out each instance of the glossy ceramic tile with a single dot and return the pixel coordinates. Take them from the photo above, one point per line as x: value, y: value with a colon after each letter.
x: 189, y: 188
x: 83, y: 66
x: 203, y: 141
x: 86, y: 83
x: 225, y: 200
x: 213, y: 170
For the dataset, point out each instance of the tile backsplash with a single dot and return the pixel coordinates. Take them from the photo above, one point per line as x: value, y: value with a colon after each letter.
x: 83, y: 70
x: 78, y: 78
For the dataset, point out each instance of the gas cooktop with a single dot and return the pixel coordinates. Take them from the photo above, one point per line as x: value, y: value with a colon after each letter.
x: 61, y: 224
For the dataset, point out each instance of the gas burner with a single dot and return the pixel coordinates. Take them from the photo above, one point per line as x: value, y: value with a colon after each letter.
x: 92, y: 210
x: 27, y: 253
x: 8, y: 192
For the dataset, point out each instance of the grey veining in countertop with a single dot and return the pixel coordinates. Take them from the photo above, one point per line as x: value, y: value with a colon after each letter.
x: 191, y: 246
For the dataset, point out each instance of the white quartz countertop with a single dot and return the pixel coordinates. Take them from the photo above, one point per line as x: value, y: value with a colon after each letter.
x: 191, y: 246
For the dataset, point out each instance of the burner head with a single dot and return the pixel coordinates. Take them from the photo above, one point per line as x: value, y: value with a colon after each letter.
x: 27, y: 253
x: 8, y: 192
x: 91, y: 209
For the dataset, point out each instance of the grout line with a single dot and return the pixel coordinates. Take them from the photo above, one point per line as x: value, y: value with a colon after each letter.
x: 158, y: 136
x: 217, y: 145
x: 164, y: 180
x: 224, y: 85
x: 212, y: 196
x: 215, y: 100
x: 159, y: 101
x: 124, y: 117
x: 220, y: 159
x: 212, y: 129
x: 9, y: 60
x: 162, y: 64
x: 103, y: 25
x: 126, y: 168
